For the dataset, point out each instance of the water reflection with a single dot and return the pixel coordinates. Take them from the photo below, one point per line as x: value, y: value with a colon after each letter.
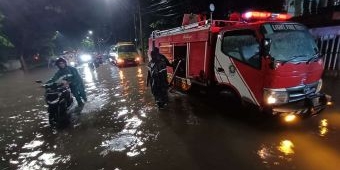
x: 121, y: 75
x: 89, y: 75
x: 97, y: 94
x: 129, y: 139
x: 33, y: 144
x: 130, y: 111
x: 117, y: 104
x: 286, y: 147
x: 125, y: 84
x: 323, y: 127
x: 38, y: 160
x: 264, y: 153
x: 139, y: 71
x: 33, y: 155
x: 141, y: 82
x: 277, y: 155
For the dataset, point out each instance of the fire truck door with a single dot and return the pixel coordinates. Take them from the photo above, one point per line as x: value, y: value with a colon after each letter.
x: 238, y: 62
x: 180, y: 53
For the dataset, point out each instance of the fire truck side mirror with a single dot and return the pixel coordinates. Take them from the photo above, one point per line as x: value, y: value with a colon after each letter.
x: 266, y: 43
x: 266, y: 46
x: 272, y: 63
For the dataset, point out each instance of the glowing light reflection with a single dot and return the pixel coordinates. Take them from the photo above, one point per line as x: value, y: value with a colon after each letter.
x: 121, y: 75
x: 286, y: 147
x: 139, y: 71
x: 264, y: 153
x: 323, y: 129
x: 88, y: 75
x: 129, y: 139
x: 32, y: 144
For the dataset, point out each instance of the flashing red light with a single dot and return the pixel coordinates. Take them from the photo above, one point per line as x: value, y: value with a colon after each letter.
x: 256, y: 15
x: 215, y: 29
x: 283, y: 16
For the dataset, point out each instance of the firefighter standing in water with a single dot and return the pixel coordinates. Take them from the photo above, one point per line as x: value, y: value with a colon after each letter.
x: 157, y: 77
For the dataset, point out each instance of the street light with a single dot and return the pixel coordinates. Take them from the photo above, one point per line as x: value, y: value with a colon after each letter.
x: 212, y: 9
x: 90, y: 32
x: 87, y: 37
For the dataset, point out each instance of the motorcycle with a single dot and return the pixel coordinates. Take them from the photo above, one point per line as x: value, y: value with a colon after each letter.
x: 59, y: 100
x: 96, y: 62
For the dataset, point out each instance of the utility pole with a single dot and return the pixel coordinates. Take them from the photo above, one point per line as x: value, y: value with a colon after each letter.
x: 22, y: 52
x: 135, y: 27
x: 141, y: 30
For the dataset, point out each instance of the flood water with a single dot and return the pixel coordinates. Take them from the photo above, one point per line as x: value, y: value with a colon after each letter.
x: 121, y: 128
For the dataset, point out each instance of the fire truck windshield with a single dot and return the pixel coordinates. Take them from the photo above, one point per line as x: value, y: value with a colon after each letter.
x: 290, y: 42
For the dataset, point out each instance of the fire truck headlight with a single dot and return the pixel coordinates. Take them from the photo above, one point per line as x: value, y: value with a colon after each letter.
x: 289, y: 118
x: 319, y: 87
x: 279, y: 96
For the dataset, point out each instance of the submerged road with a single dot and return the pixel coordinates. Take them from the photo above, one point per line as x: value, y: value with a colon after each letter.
x: 120, y: 128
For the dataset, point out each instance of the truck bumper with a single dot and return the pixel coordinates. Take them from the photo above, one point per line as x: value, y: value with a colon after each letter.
x: 310, y: 106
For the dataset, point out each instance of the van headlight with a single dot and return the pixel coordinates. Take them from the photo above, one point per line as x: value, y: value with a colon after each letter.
x: 275, y: 96
x: 138, y: 59
x: 319, y: 87
x: 120, y: 60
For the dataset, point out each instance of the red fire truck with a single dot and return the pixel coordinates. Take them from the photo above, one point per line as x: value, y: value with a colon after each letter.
x: 262, y: 58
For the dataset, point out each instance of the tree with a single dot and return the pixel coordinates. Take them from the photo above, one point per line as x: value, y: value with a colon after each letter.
x: 29, y: 26
x: 4, y: 45
x: 3, y: 39
x: 87, y: 44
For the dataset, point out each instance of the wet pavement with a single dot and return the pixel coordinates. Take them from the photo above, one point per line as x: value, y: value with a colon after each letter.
x: 120, y: 128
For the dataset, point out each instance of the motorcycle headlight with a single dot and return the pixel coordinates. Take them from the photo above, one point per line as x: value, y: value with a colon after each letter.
x: 319, y: 87
x: 72, y: 63
x: 277, y: 96
x: 85, y: 57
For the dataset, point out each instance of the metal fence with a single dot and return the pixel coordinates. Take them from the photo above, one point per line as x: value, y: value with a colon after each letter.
x: 329, y: 46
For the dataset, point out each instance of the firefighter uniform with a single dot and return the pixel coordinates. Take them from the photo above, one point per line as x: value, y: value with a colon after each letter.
x: 157, y: 78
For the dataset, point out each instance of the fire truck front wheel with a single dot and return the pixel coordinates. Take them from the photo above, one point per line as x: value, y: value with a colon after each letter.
x: 231, y: 97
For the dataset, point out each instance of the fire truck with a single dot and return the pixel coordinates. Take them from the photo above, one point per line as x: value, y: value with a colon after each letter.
x: 261, y: 57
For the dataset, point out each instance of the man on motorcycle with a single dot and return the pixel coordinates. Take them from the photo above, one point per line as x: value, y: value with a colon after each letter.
x: 73, y: 77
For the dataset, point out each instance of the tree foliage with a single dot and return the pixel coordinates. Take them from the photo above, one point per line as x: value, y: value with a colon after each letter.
x: 3, y: 39
x: 88, y: 44
x: 29, y: 25
x: 162, y: 14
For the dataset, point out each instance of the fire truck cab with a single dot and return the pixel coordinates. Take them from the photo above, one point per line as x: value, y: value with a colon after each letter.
x: 262, y: 58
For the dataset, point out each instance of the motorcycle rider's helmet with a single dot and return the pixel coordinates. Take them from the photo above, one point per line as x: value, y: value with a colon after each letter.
x: 60, y: 60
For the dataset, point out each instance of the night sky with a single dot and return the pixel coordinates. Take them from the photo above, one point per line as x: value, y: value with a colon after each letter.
x: 112, y: 20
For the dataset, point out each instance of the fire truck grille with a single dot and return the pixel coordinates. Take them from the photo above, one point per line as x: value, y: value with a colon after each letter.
x: 301, y: 92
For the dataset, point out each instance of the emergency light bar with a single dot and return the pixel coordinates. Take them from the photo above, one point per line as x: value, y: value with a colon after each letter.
x: 256, y: 15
